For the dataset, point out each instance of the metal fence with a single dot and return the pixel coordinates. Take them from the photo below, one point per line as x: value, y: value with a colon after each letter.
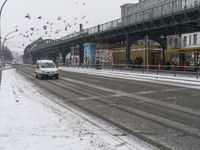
x: 165, y: 70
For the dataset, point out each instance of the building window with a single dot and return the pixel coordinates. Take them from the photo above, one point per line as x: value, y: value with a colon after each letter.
x: 190, y: 40
x: 170, y: 42
x: 185, y: 41
x: 195, y: 39
x: 176, y: 43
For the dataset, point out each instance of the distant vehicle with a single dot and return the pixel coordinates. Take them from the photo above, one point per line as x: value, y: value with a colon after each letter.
x: 19, y: 63
x: 2, y: 64
x: 46, y: 69
x: 14, y: 62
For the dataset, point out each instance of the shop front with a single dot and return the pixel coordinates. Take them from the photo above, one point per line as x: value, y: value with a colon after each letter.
x: 141, y: 56
x: 184, y: 56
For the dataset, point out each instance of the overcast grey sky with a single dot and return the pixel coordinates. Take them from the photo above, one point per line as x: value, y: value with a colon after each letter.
x: 14, y: 12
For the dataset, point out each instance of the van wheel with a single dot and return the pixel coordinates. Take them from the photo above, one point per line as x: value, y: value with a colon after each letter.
x: 40, y: 77
x: 36, y: 76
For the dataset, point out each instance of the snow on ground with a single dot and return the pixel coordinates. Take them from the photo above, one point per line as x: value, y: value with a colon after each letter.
x: 169, y: 79
x: 30, y: 121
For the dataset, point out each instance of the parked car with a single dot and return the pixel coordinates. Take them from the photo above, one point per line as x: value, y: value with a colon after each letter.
x: 46, y: 69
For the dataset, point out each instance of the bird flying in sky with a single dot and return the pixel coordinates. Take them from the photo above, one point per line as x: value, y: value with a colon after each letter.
x: 83, y: 17
x: 44, y: 27
x: 59, y: 18
x: 32, y: 29
x: 28, y: 16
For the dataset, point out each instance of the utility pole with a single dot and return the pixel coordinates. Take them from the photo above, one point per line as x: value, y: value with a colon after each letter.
x: 1, y: 54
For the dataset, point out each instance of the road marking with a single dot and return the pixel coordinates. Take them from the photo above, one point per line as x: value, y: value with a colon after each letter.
x: 106, y: 96
x: 166, y: 104
x: 160, y: 91
x: 171, y: 98
x: 96, y: 81
x: 143, y: 98
x: 153, y: 101
x: 168, y: 122
x: 100, y: 76
x: 91, y: 85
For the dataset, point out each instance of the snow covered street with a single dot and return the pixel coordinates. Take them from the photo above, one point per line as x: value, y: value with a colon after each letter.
x: 30, y: 121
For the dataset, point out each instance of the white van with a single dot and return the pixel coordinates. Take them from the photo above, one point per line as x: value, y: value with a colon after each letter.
x: 46, y: 69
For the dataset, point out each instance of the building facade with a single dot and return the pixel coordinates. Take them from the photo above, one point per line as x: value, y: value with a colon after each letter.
x: 156, y: 6
x: 134, y: 8
x: 184, y: 49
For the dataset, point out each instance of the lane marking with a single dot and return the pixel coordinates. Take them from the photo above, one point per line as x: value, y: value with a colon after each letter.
x: 171, y: 98
x: 165, y: 121
x: 106, y: 96
x: 159, y: 91
x: 168, y: 122
x: 143, y: 98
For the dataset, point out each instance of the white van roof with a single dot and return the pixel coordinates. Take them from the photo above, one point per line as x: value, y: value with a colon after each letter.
x: 45, y: 61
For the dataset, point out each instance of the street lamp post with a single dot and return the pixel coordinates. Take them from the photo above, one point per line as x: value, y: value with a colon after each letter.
x: 0, y: 41
x: 0, y: 25
x: 5, y: 39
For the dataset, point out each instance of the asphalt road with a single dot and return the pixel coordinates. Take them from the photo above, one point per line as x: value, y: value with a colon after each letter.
x: 167, y: 117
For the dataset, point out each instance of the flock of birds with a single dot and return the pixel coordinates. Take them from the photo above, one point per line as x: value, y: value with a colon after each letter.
x: 47, y: 28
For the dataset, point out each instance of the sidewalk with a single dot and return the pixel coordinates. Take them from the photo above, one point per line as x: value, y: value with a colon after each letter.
x: 30, y: 121
x: 168, y: 79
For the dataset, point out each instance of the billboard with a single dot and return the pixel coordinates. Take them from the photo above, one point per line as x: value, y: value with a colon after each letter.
x: 89, y: 53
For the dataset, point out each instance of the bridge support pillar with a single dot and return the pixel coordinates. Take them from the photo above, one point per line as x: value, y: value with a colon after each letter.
x: 162, y: 40
x: 55, y: 57
x: 64, y: 58
x: 34, y: 59
x: 128, y: 48
x: 29, y: 59
x: 81, y: 53
x: 164, y: 48
x: 61, y: 55
x: 64, y: 54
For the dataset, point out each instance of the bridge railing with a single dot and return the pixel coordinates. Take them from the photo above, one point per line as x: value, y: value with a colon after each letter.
x: 165, y: 70
x: 157, y: 11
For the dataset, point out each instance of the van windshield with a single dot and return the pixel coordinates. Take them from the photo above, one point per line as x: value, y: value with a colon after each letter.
x: 47, y: 65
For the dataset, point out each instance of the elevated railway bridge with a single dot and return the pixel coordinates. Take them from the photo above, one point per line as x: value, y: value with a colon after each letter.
x: 155, y: 23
